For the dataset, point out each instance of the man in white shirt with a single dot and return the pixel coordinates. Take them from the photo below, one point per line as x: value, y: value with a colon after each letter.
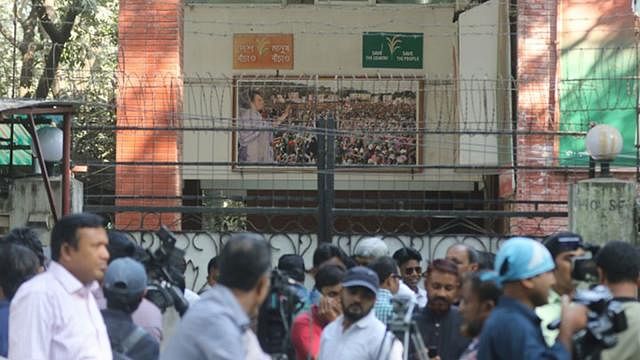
x: 409, y: 260
x: 358, y: 334
x: 55, y: 315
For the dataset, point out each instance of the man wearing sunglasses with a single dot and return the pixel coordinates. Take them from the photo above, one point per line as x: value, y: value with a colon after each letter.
x: 409, y: 260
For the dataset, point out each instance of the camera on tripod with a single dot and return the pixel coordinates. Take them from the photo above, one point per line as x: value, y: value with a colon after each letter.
x: 276, y: 315
x: 165, y: 269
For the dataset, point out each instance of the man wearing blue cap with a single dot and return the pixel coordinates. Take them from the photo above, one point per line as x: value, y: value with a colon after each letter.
x: 125, y: 284
x: 524, y: 268
x: 358, y: 334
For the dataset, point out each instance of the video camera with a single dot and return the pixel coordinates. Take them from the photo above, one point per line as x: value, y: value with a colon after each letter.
x: 583, y: 268
x: 606, y: 318
x: 165, y: 268
x: 276, y: 315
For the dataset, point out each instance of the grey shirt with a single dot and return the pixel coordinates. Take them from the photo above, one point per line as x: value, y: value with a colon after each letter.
x: 213, y: 328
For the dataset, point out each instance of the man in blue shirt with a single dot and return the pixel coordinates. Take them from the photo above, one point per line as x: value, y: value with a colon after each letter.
x: 524, y: 268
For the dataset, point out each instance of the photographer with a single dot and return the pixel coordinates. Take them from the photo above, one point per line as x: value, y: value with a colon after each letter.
x: 524, y: 269
x: 563, y: 248
x: 217, y: 326
x: 618, y: 269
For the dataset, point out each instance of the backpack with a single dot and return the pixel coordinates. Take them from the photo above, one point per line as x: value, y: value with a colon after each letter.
x: 120, y: 350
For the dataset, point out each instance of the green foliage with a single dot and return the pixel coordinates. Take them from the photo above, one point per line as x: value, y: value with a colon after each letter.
x: 84, y: 71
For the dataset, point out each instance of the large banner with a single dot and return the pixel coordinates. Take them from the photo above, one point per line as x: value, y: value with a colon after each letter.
x: 376, y: 121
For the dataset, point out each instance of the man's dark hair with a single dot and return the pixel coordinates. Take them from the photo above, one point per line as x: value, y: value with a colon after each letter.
x: 253, y: 94
x: 472, y: 254
x: 326, y: 252
x: 487, y: 259
x: 17, y: 265
x: 65, y: 230
x: 213, y: 264
x: 384, y: 267
x: 443, y: 265
x: 120, y: 245
x: 405, y: 254
x: 618, y: 260
x: 483, y: 289
x: 28, y: 238
x: 329, y: 275
x: 244, y: 259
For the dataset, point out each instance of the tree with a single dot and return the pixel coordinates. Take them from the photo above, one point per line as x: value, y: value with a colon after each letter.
x: 44, y: 37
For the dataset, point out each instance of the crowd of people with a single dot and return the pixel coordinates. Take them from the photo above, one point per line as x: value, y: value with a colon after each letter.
x: 369, y: 133
x: 87, y: 301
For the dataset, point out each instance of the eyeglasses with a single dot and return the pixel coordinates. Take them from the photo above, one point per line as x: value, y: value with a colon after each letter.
x: 411, y: 270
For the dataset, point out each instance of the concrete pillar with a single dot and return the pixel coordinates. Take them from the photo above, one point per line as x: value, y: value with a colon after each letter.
x: 603, y: 209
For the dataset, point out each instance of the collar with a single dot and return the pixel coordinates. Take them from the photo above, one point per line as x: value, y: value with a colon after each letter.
x: 366, y: 321
x: 512, y: 304
x: 439, y: 316
x: 69, y: 282
x: 554, y: 297
x: 117, y: 314
x: 384, y: 293
x: 225, y: 298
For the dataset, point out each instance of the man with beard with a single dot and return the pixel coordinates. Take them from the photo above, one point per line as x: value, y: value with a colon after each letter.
x: 512, y: 331
x: 358, y: 334
x: 440, y: 321
x: 478, y: 300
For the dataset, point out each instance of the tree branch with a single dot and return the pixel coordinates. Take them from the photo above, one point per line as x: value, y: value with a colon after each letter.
x: 58, y: 34
x: 8, y: 36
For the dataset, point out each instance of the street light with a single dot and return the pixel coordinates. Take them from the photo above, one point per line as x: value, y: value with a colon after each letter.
x: 604, y: 143
x: 50, y: 145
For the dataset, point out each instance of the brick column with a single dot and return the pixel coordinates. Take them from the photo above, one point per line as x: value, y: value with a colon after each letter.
x: 540, y: 29
x: 537, y: 65
x: 150, y: 90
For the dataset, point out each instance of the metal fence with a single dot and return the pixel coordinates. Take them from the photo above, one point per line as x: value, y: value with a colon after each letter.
x: 399, y: 156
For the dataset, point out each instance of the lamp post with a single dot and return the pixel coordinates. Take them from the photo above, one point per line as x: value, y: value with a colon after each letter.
x: 604, y: 143
x: 51, y: 145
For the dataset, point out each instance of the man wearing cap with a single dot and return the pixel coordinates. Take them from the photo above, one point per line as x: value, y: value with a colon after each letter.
x: 358, y: 334
x: 563, y: 248
x: 124, y: 286
x: 524, y: 268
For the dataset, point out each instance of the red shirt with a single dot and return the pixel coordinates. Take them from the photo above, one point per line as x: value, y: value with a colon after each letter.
x: 305, y: 334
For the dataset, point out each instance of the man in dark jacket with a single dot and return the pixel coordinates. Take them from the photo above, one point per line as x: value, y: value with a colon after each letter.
x: 125, y: 283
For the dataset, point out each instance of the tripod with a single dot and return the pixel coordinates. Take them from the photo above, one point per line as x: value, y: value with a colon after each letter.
x: 403, y: 323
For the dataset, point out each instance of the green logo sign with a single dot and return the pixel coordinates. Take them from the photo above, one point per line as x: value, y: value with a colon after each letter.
x: 392, y: 50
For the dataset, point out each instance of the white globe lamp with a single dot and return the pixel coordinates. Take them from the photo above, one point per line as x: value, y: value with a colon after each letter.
x: 50, y: 145
x: 604, y: 143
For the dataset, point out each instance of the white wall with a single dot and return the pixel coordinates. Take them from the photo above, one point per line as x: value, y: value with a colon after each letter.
x: 482, y: 88
x: 327, y: 41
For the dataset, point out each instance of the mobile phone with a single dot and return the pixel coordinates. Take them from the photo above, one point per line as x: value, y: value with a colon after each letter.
x: 433, y: 352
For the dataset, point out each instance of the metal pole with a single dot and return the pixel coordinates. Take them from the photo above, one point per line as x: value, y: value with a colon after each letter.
x: 43, y: 167
x: 329, y: 174
x: 11, y: 136
x: 322, y: 167
x: 66, y: 165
